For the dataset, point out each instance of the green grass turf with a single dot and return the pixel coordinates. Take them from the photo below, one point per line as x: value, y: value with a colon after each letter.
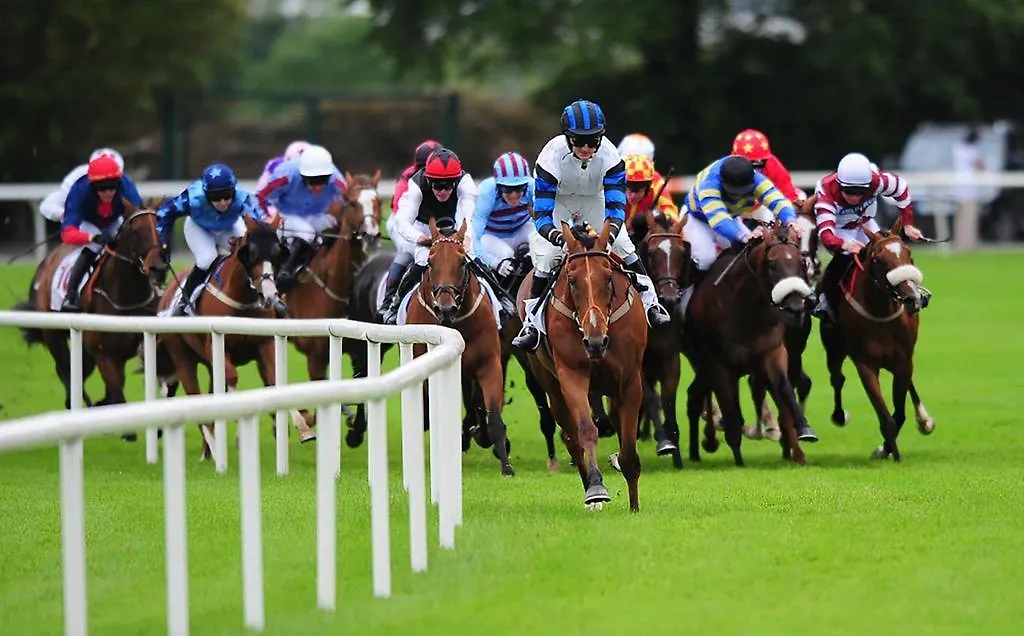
x: 845, y: 545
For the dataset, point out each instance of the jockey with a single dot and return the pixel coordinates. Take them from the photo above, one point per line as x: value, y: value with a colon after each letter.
x: 291, y: 153
x: 847, y: 203
x: 636, y: 144
x: 504, y: 207
x: 303, y: 191
x: 93, y: 214
x: 722, y: 192
x: 441, y: 190
x: 214, y: 206
x: 419, y: 160
x: 642, y: 182
x: 753, y: 144
x: 52, y: 207
x: 580, y: 178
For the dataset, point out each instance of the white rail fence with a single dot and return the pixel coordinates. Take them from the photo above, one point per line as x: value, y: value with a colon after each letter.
x: 441, y: 365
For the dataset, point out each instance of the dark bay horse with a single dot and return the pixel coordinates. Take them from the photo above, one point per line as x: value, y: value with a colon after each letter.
x: 596, y: 335
x: 736, y: 326
x: 124, y: 282
x: 240, y: 284
x: 878, y: 320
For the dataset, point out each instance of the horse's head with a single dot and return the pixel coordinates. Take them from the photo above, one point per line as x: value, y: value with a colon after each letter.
x: 590, y: 277
x: 781, y: 266
x: 668, y: 258
x: 449, y: 275
x: 363, y: 195
x: 890, y: 264
x: 260, y: 253
x: 138, y: 244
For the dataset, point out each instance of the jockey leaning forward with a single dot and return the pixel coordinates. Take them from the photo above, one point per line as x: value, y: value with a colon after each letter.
x: 847, y: 203
x: 213, y: 206
x: 52, y: 207
x: 504, y: 205
x: 291, y: 153
x: 93, y: 214
x: 303, y: 191
x: 442, y: 191
x: 419, y: 159
x: 753, y: 144
x: 580, y: 178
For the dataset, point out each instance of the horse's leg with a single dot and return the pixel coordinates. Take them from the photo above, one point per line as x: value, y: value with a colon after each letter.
x: 901, y: 375
x: 758, y: 391
x: 569, y: 433
x: 492, y: 385
x: 604, y: 424
x: 775, y: 365
x: 575, y: 388
x: 726, y: 388
x: 474, y: 425
x: 112, y: 372
x: 696, y: 402
x: 265, y: 363
x: 57, y: 344
x: 186, y: 370
x: 628, y: 406
x: 357, y: 351
x: 712, y: 414
x: 669, y: 388
x: 925, y: 423
x: 886, y: 423
x: 650, y: 407
x: 835, y: 354
x: 547, y: 420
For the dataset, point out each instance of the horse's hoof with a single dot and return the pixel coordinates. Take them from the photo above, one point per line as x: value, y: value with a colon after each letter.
x: 774, y: 434
x: 467, y: 441
x: 593, y: 507
x: 841, y: 419
x: 507, y: 471
x: 709, y: 446
x: 130, y: 437
x: 354, y: 438
x: 596, y: 494
x: 667, y: 447
x: 752, y: 432
x: 805, y: 434
x: 925, y: 423
x: 613, y: 459
x: 694, y: 457
x: 553, y: 465
x: 307, y: 437
x: 880, y: 453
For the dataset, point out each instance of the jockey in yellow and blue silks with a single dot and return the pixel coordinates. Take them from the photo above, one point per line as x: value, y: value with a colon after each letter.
x: 214, y: 207
x: 723, y: 192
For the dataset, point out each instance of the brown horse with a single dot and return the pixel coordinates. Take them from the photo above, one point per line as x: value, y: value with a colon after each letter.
x: 323, y: 289
x: 123, y: 282
x: 736, y: 326
x: 240, y: 284
x: 450, y: 295
x: 878, y: 322
x: 593, y: 296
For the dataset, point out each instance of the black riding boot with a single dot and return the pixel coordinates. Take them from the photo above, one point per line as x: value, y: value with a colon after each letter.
x: 299, y: 252
x: 529, y: 338
x: 395, y: 272
x: 656, y: 314
x: 195, y: 277
x: 830, y: 283
x: 72, y: 302
x: 409, y: 280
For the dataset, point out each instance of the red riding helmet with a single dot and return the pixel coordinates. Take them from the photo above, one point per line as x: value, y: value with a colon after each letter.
x: 443, y: 164
x: 752, y: 144
x: 103, y: 168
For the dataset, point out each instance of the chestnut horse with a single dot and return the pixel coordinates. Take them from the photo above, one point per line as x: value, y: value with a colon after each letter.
x: 124, y: 282
x: 592, y: 297
x: 735, y: 326
x: 240, y: 284
x: 450, y: 295
x: 878, y: 322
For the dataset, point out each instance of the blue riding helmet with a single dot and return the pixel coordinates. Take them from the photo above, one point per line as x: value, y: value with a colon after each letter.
x: 218, y: 178
x: 584, y: 118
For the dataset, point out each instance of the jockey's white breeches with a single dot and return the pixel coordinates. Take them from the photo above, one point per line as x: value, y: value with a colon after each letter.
x: 705, y: 243
x: 858, y: 233
x: 205, y: 244
x: 307, y: 228
x: 572, y: 210
x: 492, y: 249
x: 419, y: 253
x: 545, y: 255
x: 109, y: 233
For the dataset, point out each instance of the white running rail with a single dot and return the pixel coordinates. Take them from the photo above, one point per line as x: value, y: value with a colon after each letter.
x: 441, y: 364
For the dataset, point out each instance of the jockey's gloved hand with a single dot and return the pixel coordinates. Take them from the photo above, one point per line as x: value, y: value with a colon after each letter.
x: 553, y: 235
x: 505, y: 268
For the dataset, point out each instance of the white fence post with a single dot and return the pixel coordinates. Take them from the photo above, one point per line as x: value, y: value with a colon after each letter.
x: 333, y: 415
x: 220, y: 425
x: 252, y: 524
x: 176, y: 531
x: 449, y: 441
x: 455, y: 378
x: 413, y: 468
x: 149, y: 366
x: 72, y: 504
x: 380, y: 504
x: 433, y: 415
x: 281, y: 416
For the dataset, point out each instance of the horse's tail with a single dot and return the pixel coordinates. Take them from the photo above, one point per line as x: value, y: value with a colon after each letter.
x: 30, y: 335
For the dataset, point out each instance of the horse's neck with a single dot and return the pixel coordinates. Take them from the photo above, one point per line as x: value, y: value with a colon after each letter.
x: 234, y: 280
x: 871, y: 294
x: 119, y: 279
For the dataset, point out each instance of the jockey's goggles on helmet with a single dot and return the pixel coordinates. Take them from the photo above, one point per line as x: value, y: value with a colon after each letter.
x: 316, y: 181
x: 854, y: 190
x: 442, y: 184
x: 638, y: 186
x: 758, y: 164
x: 508, y: 189
x: 220, y: 195
x: 107, y: 184
x: 590, y: 141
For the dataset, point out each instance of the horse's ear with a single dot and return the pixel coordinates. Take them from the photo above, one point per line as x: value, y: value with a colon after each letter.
x: 275, y: 223
x: 250, y: 223
x: 129, y: 207
x: 601, y: 244
x: 461, y: 234
x: 677, y: 227
x: 570, y: 238
x: 350, y: 181
x: 375, y: 179
x: 652, y: 223
x: 871, y: 234
x: 897, y: 226
x: 432, y: 224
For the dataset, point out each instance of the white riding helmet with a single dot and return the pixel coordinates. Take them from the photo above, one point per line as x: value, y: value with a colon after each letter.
x: 855, y: 170
x: 295, y: 150
x: 636, y: 144
x: 316, y: 161
x: 108, y: 152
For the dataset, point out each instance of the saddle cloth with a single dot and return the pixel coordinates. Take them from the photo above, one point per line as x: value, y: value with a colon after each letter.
x: 59, y: 284
x: 403, y: 309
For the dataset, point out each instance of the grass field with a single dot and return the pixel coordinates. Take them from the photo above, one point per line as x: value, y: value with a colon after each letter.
x: 845, y: 545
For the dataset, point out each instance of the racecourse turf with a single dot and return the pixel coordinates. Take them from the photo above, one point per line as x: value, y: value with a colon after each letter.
x: 845, y: 545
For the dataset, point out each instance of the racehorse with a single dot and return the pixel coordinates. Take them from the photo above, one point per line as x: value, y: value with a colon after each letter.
x: 450, y: 295
x: 735, y: 327
x: 124, y: 282
x: 877, y: 328
x: 240, y: 284
x: 322, y: 290
x: 592, y: 297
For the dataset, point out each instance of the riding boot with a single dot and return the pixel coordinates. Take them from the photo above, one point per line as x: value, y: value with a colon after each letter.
x: 195, y: 277
x: 529, y: 337
x: 298, y: 253
x: 72, y: 301
x: 656, y: 314
x: 409, y: 280
x: 395, y: 272
x: 830, y: 282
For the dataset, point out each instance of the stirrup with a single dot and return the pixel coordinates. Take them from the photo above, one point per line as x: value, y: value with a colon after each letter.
x: 658, y: 315
x: 528, y: 338
x: 71, y: 305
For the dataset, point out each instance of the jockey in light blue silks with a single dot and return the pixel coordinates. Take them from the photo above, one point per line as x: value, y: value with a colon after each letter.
x: 214, y: 207
x: 303, y: 192
x: 504, y: 207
